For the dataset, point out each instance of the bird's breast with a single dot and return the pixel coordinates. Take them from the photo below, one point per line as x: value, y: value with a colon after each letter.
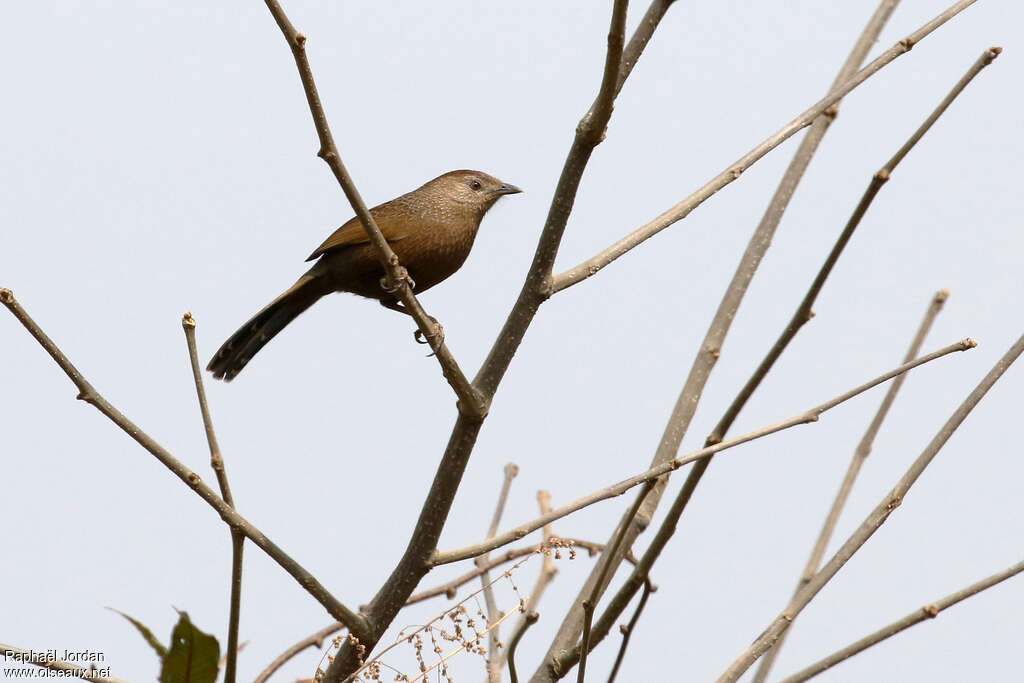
x: 435, y: 250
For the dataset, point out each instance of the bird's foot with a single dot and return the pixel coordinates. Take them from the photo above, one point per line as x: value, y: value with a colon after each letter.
x: 436, y: 336
x: 391, y: 286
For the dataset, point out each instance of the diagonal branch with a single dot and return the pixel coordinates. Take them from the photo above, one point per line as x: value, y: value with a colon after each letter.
x: 397, y: 277
x: 859, y: 456
x: 415, y: 562
x: 627, y: 629
x: 880, y: 178
x: 811, y: 415
x: 592, y: 265
x: 709, y: 352
x: 589, y: 133
x: 87, y: 393
x: 929, y: 611
x: 872, y: 522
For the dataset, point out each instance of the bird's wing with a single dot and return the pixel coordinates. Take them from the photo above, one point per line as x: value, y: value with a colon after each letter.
x: 353, y: 233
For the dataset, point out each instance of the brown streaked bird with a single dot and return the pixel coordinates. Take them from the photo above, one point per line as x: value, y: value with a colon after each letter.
x: 430, y: 229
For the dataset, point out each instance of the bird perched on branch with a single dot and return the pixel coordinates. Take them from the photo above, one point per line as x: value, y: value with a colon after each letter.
x: 430, y: 229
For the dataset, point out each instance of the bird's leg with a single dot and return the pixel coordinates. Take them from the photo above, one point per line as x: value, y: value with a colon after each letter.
x: 437, y: 333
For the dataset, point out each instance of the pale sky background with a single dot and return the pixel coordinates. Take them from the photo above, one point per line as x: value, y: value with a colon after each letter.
x: 159, y: 157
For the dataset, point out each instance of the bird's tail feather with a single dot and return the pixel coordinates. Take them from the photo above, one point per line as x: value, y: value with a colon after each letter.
x: 239, y: 349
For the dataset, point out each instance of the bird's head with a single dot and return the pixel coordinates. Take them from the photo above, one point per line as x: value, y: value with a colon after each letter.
x: 472, y: 188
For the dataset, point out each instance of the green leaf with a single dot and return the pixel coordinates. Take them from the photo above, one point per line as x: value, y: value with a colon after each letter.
x: 193, y: 657
x: 146, y: 633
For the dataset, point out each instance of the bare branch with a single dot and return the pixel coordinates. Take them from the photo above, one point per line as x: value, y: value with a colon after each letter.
x: 929, y: 611
x: 641, y: 36
x: 860, y: 454
x: 618, y: 489
x: 188, y: 323
x: 415, y: 562
x: 589, y: 133
x: 590, y: 604
x: 493, y: 613
x: 871, y: 524
x: 528, y: 620
x: 627, y: 630
x: 592, y: 265
x: 707, y: 356
x: 449, y: 588
x: 314, y: 640
x: 877, y: 181
x: 397, y: 277
x: 548, y: 569
x: 21, y: 656
x: 88, y: 394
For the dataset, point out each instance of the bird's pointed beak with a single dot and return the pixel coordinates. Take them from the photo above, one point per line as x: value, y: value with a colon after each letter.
x: 507, y: 188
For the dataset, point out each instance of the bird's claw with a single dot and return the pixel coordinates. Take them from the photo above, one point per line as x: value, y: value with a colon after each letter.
x: 402, y: 276
x: 434, y: 338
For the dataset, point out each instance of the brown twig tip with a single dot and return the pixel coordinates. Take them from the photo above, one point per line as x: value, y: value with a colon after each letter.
x: 511, y: 470
x: 187, y: 321
x: 992, y: 53
x: 941, y: 296
x: 6, y: 296
x: 969, y: 343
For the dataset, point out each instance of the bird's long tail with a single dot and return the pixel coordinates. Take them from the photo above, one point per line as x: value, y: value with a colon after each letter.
x: 239, y: 349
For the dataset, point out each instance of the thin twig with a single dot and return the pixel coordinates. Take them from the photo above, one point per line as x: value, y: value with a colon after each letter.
x: 313, y: 640
x: 36, y: 658
x: 859, y: 455
x: 592, y: 265
x: 548, y: 569
x: 188, y: 323
x: 641, y: 36
x: 537, y: 286
x: 714, y: 339
x: 528, y: 620
x: 929, y: 611
x: 627, y: 630
x: 590, y: 604
x: 493, y: 613
x: 588, y: 619
x: 614, y: 490
x: 878, y: 180
x: 872, y: 522
x: 448, y: 588
x: 398, y: 278
x: 89, y: 394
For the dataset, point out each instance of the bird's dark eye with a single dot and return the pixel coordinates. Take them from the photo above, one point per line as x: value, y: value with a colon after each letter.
x: 475, y: 185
